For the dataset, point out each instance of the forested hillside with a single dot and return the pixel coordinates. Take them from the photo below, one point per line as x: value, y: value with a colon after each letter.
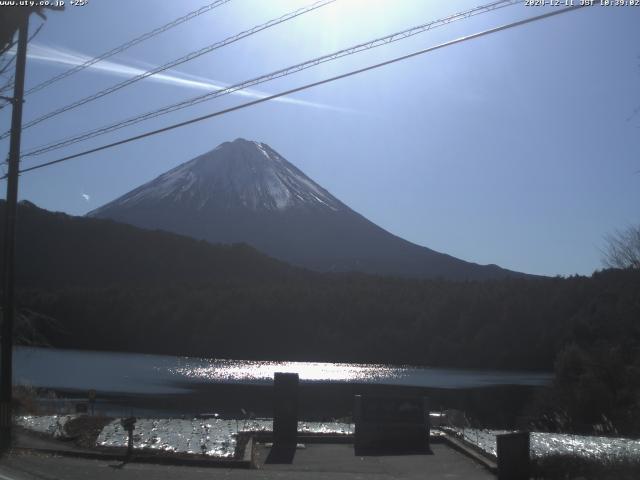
x: 114, y: 286
x: 96, y: 284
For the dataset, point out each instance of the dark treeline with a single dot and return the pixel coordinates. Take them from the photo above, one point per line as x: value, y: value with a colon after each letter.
x: 515, y: 324
x: 96, y: 284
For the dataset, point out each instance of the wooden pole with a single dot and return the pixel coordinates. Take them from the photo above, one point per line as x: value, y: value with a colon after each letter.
x: 8, y: 257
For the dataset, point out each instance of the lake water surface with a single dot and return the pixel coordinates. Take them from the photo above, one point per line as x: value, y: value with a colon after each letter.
x: 156, y: 374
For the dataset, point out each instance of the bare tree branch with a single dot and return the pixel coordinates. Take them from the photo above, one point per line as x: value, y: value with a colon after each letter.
x: 623, y: 248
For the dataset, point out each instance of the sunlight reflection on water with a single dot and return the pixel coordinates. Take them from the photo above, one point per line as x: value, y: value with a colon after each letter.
x: 243, y: 371
x: 254, y: 371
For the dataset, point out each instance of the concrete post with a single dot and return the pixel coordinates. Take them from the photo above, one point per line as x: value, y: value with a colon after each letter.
x: 513, y: 456
x: 285, y: 409
x: 129, y: 424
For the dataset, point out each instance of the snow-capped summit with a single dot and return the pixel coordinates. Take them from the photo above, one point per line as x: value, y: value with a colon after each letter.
x: 245, y: 191
x: 235, y: 174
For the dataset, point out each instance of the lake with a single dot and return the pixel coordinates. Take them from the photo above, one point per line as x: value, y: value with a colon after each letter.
x: 131, y: 373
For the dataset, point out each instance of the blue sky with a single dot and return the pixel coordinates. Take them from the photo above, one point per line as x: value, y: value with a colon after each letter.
x: 519, y: 149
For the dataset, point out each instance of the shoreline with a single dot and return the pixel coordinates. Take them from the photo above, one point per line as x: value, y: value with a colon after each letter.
x: 492, y: 406
x: 347, y: 362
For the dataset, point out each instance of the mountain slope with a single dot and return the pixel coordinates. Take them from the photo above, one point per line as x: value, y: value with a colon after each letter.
x: 245, y: 191
x: 55, y: 250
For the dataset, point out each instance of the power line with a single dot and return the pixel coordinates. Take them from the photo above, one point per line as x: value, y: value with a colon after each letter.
x: 307, y: 86
x: 10, y: 83
x: 127, y: 45
x: 57, y: 144
x: 174, y: 63
x: 4, y: 68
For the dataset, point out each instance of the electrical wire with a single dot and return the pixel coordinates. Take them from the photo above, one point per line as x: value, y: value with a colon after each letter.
x: 174, y: 63
x: 57, y: 144
x: 9, y: 85
x: 307, y: 86
x: 127, y: 45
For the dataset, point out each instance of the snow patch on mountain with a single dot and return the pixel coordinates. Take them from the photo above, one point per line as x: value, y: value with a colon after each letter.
x: 235, y: 174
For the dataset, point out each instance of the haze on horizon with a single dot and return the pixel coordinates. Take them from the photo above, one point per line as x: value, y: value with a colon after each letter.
x: 519, y: 149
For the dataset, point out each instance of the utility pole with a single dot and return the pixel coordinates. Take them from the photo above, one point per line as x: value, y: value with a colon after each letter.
x: 8, y: 257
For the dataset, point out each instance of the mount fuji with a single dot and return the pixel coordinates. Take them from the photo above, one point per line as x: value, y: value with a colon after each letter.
x: 246, y: 192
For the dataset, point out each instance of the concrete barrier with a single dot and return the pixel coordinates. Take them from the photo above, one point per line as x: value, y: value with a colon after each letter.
x: 391, y: 424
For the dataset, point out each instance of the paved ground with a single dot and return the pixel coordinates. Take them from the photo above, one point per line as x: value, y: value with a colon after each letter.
x: 338, y: 461
x: 313, y: 463
x: 27, y: 439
